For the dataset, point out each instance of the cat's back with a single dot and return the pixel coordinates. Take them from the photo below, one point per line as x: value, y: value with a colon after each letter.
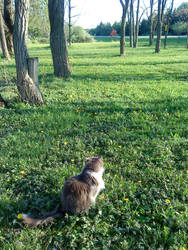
x: 75, y: 194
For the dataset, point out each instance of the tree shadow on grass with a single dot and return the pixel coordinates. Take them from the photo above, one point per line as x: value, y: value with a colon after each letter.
x: 98, y: 132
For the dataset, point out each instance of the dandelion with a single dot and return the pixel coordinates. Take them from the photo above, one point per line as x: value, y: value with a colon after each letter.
x: 126, y: 199
x: 120, y: 146
x: 95, y: 113
x: 22, y: 172
x: 183, y: 248
x: 42, y: 131
x: 65, y: 143
x: 167, y: 201
x: 72, y: 160
x: 19, y: 216
x: 101, y: 197
x: 187, y: 171
x: 139, y: 181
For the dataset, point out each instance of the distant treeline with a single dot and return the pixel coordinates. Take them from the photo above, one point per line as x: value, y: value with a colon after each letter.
x: 178, y: 24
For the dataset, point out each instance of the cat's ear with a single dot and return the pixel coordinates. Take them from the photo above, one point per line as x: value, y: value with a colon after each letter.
x: 100, y: 158
x: 88, y: 159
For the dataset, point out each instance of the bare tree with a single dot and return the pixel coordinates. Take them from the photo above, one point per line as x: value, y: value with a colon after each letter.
x: 161, y: 8
x: 151, y: 23
x: 136, y: 25
x: 131, y: 23
x: 58, y: 44
x: 168, y: 20
x: 124, y: 4
x: 8, y: 18
x: 29, y: 92
x: 3, y: 39
x: 70, y: 22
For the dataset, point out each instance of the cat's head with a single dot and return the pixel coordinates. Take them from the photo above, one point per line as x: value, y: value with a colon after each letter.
x: 94, y: 164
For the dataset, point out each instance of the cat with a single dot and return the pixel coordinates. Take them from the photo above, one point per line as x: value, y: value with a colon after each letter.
x: 78, y: 193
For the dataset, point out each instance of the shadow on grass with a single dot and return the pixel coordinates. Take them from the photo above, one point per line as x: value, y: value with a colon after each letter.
x: 98, y: 132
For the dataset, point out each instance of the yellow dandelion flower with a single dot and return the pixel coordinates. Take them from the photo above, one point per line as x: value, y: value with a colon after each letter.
x: 139, y: 181
x: 72, y: 160
x: 167, y: 201
x: 126, y: 199
x: 187, y: 171
x: 19, y: 216
x: 65, y: 143
x: 95, y: 113
x: 183, y: 248
x: 22, y: 172
x: 101, y: 197
x: 120, y: 146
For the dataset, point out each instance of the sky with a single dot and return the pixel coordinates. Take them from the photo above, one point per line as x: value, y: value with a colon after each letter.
x: 92, y: 12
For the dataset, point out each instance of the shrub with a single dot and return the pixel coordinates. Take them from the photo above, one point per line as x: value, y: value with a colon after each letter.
x: 179, y: 28
x: 79, y: 35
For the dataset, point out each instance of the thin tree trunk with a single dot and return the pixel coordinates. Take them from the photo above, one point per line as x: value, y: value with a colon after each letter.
x: 122, y: 38
x: 3, y: 39
x: 27, y: 89
x: 70, y: 23
x: 187, y: 34
x: 57, y: 38
x: 124, y: 5
x: 166, y: 35
x: 151, y: 23
x: 8, y: 18
x: 137, y: 25
x: 159, y: 28
x: 168, y: 23
x: 131, y: 24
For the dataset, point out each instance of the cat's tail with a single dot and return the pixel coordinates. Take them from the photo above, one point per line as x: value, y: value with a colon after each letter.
x: 34, y: 222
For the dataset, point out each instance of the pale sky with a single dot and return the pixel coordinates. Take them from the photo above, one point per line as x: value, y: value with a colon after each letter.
x: 92, y: 12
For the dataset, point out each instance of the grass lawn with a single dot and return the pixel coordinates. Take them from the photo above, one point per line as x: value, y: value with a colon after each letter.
x: 133, y: 111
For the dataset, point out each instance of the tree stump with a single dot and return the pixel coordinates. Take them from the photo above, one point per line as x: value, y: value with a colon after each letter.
x: 33, y: 69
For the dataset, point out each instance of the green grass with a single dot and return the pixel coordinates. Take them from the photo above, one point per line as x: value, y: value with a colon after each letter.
x: 133, y: 111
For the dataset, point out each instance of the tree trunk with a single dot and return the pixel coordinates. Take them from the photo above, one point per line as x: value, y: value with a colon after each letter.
x: 169, y: 14
x: 159, y: 28
x: 70, y: 23
x: 124, y: 4
x: 8, y: 18
x: 151, y: 24
x: 187, y: 34
x: 57, y: 38
x: 131, y: 24
x: 122, y: 38
x: 166, y: 35
x: 27, y: 89
x: 137, y: 25
x: 3, y: 39
x: 130, y: 31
